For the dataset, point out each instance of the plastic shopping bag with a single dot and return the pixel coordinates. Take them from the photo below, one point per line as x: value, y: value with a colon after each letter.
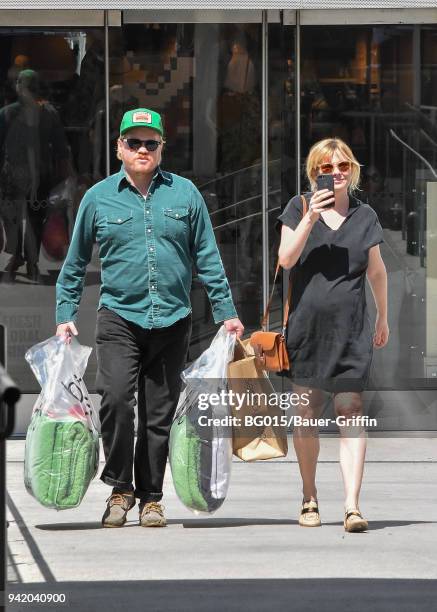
x: 200, y: 451
x: 62, y: 441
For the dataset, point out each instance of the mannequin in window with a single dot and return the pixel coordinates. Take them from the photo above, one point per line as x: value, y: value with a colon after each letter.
x: 239, y: 111
x: 34, y: 157
x: 21, y: 62
x: 240, y: 72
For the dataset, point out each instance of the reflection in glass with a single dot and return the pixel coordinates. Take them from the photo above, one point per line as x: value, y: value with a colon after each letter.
x: 52, y: 144
x: 204, y: 79
x: 34, y: 159
x: 373, y: 87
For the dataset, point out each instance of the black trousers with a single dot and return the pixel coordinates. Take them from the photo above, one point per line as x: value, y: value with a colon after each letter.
x: 128, y: 357
x: 25, y: 241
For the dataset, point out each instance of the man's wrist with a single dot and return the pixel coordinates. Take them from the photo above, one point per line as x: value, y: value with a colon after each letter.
x: 66, y: 312
x: 224, y: 311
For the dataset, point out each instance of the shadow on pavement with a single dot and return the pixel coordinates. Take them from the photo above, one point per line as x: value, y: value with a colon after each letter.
x: 300, y: 595
x: 186, y: 523
x: 71, y: 526
x: 222, y: 523
x: 376, y: 525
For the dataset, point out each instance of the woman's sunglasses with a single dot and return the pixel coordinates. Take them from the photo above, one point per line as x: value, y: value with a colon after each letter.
x: 135, y: 143
x: 328, y: 168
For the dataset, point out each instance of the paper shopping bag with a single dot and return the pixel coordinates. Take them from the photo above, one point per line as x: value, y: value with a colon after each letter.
x: 268, y: 438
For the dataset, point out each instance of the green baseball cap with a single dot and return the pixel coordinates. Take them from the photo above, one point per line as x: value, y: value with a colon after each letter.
x: 141, y: 117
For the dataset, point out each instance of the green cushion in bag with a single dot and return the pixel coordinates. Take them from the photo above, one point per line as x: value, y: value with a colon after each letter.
x: 185, y: 462
x: 61, y: 459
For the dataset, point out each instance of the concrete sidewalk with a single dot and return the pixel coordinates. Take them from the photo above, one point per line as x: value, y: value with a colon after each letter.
x: 249, y: 556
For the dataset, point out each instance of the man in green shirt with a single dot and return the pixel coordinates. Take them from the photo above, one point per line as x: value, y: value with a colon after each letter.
x: 151, y: 227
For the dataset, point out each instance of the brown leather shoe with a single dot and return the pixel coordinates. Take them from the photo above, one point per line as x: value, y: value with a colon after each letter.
x: 152, y: 515
x: 10, y: 273
x: 15, y: 262
x: 33, y: 273
x: 118, y: 505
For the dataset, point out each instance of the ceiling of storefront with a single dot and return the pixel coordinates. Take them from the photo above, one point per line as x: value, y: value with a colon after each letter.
x: 215, y: 4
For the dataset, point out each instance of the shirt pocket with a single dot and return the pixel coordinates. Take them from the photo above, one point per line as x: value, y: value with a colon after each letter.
x: 119, y: 227
x: 176, y: 223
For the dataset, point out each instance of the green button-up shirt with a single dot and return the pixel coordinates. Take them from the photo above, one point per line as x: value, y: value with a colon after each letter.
x: 147, y: 247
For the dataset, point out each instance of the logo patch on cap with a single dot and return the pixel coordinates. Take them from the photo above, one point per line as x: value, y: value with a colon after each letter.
x: 142, y: 118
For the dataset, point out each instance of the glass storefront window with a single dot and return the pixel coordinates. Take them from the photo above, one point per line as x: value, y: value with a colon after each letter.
x: 52, y: 149
x: 374, y: 87
x: 205, y: 80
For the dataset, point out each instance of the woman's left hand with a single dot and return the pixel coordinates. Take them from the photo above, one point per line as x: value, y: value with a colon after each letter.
x: 380, y: 337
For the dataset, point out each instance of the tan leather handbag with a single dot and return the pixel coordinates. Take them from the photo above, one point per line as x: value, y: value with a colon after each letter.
x: 270, y: 347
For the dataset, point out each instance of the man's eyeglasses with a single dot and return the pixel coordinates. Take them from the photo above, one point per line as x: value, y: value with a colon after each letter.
x: 328, y: 168
x: 135, y: 143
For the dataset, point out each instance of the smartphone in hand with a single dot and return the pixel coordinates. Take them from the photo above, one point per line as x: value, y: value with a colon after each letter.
x: 326, y: 181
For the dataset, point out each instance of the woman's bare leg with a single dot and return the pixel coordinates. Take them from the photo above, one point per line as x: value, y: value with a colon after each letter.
x: 353, y: 443
x: 306, y: 440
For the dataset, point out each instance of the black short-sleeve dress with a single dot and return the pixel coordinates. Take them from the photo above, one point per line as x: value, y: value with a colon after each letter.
x: 329, y: 336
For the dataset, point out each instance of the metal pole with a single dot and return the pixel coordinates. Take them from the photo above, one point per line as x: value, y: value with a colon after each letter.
x: 417, y: 73
x: 404, y: 194
x: 3, y: 525
x: 107, y: 124
x: 297, y: 129
x: 3, y: 346
x: 9, y: 395
x: 265, y: 162
x: 422, y: 233
x: 3, y: 534
x: 297, y: 105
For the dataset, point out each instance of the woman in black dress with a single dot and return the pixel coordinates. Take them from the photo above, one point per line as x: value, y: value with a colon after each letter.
x: 330, y: 251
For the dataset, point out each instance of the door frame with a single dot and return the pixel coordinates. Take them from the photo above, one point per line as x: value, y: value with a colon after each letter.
x: 199, y: 16
x: 58, y: 18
